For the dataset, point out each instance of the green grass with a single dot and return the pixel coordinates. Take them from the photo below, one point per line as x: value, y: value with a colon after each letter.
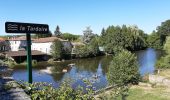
x: 165, y: 73
x: 143, y: 93
x: 140, y: 94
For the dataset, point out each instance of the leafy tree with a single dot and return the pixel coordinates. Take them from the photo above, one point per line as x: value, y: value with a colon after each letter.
x: 89, y: 50
x: 70, y: 37
x: 88, y: 35
x: 164, y: 30
x: 57, y: 50
x: 154, y: 40
x: 164, y: 62
x: 122, y: 72
x: 130, y: 38
x: 57, y: 31
x: 43, y: 35
x: 94, y: 46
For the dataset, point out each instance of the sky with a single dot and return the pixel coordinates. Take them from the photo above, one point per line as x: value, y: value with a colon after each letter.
x: 74, y: 16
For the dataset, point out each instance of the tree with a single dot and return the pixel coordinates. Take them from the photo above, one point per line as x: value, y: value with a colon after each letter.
x: 103, y: 32
x: 88, y: 35
x: 89, y: 50
x: 122, y: 72
x: 49, y: 34
x: 130, y: 38
x: 164, y: 61
x: 57, y: 31
x: 154, y: 41
x: 57, y: 50
x: 164, y: 30
x: 70, y: 37
x: 94, y: 46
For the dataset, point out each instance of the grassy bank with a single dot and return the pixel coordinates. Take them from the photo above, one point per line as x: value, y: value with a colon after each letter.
x: 165, y: 73
x: 141, y: 92
x: 149, y: 93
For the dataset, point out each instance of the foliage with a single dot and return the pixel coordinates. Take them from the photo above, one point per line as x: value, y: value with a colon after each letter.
x: 88, y: 35
x: 2, y: 56
x: 167, y: 45
x: 89, y: 50
x: 130, y: 38
x: 164, y: 62
x: 43, y: 35
x: 123, y: 71
x: 154, y: 40
x: 57, y: 50
x: 57, y: 31
x: 44, y: 91
x: 70, y: 37
x: 164, y: 30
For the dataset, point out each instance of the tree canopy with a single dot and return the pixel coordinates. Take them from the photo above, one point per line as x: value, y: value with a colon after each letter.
x: 69, y: 36
x: 57, y: 31
x: 88, y: 35
x: 57, y: 50
x: 163, y: 31
x: 130, y: 38
x: 44, y: 35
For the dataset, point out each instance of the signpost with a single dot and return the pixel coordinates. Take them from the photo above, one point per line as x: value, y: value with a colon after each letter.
x: 28, y: 28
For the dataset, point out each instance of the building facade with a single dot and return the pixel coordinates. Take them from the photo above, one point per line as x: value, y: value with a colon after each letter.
x: 17, y: 43
x: 4, y: 45
x: 44, y: 44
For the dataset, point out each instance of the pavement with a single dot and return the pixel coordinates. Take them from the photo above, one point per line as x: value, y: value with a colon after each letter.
x: 9, y: 89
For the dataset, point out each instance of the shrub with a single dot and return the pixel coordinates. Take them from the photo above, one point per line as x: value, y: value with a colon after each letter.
x: 44, y: 91
x: 122, y: 72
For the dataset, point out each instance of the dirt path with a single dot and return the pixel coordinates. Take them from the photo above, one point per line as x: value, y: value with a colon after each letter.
x: 9, y: 89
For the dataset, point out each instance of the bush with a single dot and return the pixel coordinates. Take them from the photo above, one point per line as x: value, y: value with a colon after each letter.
x: 122, y: 72
x: 163, y: 62
x: 44, y: 91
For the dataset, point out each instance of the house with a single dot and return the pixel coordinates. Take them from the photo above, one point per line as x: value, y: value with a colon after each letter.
x: 18, y: 43
x: 4, y: 45
x: 44, y: 44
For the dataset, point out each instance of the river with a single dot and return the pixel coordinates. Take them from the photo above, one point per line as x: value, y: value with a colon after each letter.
x: 94, y: 69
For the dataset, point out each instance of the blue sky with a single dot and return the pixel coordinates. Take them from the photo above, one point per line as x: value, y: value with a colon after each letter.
x: 74, y: 15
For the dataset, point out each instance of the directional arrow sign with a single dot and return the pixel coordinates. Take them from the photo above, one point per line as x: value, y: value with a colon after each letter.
x: 16, y: 27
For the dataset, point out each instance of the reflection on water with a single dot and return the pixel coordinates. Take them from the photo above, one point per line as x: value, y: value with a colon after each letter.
x: 147, y: 59
x: 94, y: 69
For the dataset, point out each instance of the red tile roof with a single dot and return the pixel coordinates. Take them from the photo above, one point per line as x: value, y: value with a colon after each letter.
x: 47, y: 39
x: 18, y: 38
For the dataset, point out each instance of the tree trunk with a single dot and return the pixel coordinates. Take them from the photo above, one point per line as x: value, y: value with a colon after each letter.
x: 123, y: 97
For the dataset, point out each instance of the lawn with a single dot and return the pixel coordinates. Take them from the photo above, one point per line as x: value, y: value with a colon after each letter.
x: 149, y: 93
x: 165, y: 73
x: 143, y: 93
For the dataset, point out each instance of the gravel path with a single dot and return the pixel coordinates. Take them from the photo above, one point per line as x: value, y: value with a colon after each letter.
x: 9, y: 89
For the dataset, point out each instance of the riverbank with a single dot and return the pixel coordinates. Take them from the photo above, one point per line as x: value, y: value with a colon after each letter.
x: 9, y: 89
x: 143, y: 91
x: 157, y: 87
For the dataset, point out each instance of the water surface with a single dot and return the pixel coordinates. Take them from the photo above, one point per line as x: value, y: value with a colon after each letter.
x: 94, y: 69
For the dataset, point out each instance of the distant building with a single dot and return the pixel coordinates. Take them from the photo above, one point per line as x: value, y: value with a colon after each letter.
x: 4, y: 45
x: 44, y: 44
x: 18, y: 43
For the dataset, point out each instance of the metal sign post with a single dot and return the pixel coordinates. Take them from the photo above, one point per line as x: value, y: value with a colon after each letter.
x: 28, y: 28
x: 29, y: 58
